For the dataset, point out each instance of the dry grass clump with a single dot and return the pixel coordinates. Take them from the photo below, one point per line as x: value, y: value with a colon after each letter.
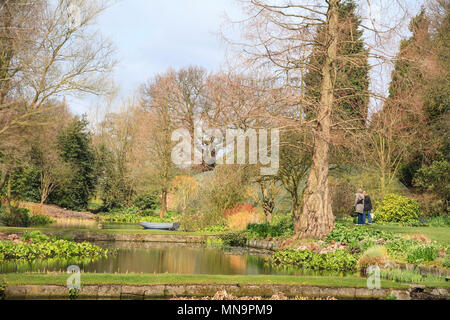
x: 34, y: 208
x: 420, y: 238
x: 374, y: 256
x: 241, y: 220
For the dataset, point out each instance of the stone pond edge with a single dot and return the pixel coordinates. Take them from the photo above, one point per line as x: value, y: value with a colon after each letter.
x: 202, y: 290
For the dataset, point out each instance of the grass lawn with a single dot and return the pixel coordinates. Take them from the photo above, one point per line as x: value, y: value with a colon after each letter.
x: 439, y: 234
x: 146, y: 279
x: 108, y: 231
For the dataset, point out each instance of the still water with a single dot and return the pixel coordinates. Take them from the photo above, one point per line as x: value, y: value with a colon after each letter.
x: 161, y: 258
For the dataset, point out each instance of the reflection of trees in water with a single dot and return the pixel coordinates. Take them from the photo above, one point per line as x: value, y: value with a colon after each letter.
x: 160, y: 258
x: 180, y: 259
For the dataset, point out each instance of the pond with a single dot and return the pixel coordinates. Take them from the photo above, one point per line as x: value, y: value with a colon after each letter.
x: 162, y: 258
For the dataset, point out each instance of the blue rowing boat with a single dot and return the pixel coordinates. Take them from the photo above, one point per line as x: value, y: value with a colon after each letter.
x: 160, y: 226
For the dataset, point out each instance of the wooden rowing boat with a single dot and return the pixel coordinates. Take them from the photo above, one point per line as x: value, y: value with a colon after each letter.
x: 160, y: 226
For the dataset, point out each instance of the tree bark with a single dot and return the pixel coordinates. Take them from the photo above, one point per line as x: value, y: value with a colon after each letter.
x: 163, y: 204
x: 316, y: 219
x: 267, y: 202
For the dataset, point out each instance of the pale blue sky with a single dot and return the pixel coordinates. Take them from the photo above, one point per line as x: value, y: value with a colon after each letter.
x: 153, y: 35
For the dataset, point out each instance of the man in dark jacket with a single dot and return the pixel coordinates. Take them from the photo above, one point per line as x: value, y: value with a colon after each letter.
x: 367, y: 207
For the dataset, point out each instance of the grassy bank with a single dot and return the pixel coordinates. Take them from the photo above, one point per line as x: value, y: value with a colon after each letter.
x: 107, y: 231
x: 147, y: 279
x: 439, y: 234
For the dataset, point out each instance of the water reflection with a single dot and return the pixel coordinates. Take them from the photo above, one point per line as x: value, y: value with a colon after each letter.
x: 172, y: 258
x: 158, y: 258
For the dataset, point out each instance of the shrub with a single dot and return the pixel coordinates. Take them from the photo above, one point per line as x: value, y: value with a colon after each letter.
x: 241, y: 220
x: 50, y: 249
x: 412, y: 251
x: 225, y: 189
x: 246, y: 207
x: 397, y: 208
x: 282, y: 228
x: 40, y: 220
x: 347, y: 234
x: 146, y: 201
x: 185, y: 190
x: 446, y: 262
x: 399, y: 248
x: 374, y: 256
x: 217, y: 229
x: 422, y: 254
x: 434, y: 179
x: 18, y: 217
x: 35, y: 236
x: 340, y: 260
x: 431, y: 205
x: 234, y: 239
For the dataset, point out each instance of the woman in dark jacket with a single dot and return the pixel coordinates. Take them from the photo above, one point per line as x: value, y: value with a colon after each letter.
x: 367, y: 207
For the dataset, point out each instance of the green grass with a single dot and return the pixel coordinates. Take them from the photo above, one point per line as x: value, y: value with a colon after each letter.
x: 439, y: 234
x: 108, y: 231
x: 147, y: 279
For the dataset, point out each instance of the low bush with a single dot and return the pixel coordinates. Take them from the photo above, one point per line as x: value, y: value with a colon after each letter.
x: 35, y: 237
x: 431, y: 205
x: 241, y: 220
x: 282, y: 229
x: 42, y: 247
x: 146, y: 201
x: 446, y: 262
x: 234, y: 239
x: 246, y: 207
x: 18, y: 217
x: 348, y: 234
x: 340, y: 260
x: 412, y: 251
x: 21, y: 217
x: 217, y: 229
x: 434, y: 179
x: 374, y: 256
x: 421, y: 254
x: 40, y: 220
x: 399, y: 248
x: 397, y: 208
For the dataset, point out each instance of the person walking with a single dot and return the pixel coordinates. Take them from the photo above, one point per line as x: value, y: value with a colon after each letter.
x: 359, y: 206
x: 367, y: 208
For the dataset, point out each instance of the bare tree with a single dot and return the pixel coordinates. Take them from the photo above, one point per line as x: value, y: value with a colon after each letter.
x: 281, y: 36
x: 46, y: 51
x: 50, y: 51
x: 157, y: 125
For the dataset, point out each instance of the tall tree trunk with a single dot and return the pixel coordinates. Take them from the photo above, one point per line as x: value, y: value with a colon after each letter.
x: 295, y: 210
x: 316, y: 219
x: 268, y: 213
x: 163, y: 204
x: 8, y: 196
x: 267, y: 201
